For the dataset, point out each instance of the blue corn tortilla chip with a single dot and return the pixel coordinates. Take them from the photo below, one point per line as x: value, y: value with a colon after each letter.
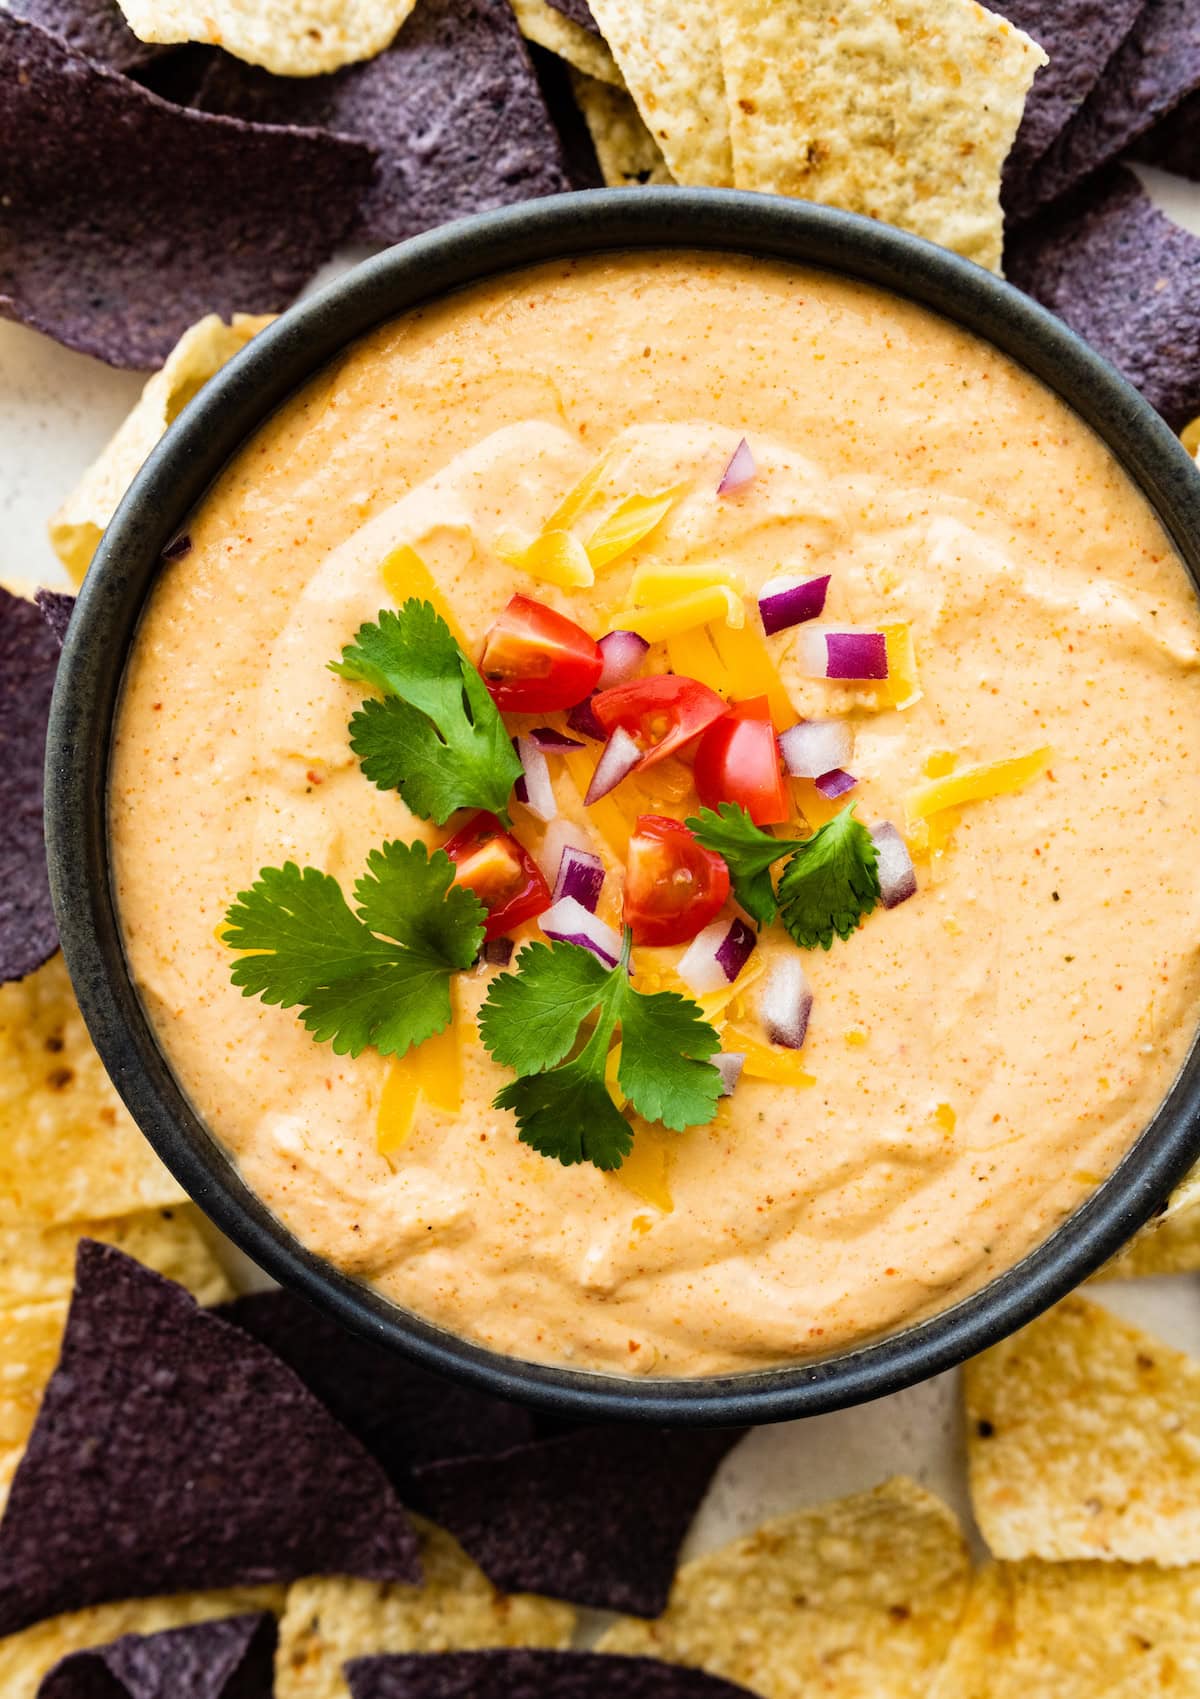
x: 28, y: 663
x: 1127, y: 280
x: 173, y: 1452
x: 57, y: 608
x: 520, y: 1674
x: 596, y: 1516
x: 1174, y: 144
x: 1155, y: 68
x: 452, y: 106
x: 95, y: 28
x: 231, y: 1657
x: 404, y: 1416
x: 127, y: 219
x: 579, y: 13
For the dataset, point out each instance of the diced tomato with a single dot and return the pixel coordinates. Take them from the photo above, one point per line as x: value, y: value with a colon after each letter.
x: 661, y: 713
x: 535, y: 660
x: 500, y: 871
x: 673, y: 885
x: 737, y: 760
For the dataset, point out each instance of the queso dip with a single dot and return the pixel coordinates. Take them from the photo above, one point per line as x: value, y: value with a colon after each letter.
x: 977, y: 1058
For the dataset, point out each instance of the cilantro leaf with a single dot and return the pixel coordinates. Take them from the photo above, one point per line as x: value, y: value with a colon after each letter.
x: 748, y: 852
x: 533, y: 1018
x: 830, y: 883
x: 354, y: 988
x: 434, y: 735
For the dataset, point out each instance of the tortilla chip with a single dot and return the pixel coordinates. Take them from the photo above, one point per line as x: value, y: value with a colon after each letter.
x: 28, y: 663
x: 293, y: 38
x: 229, y: 1657
x: 1082, y: 1441
x: 171, y: 1450
x: 203, y: 349
x: 1127, y: 280
x: 520, y: 1674
x: 127, y: 219
x: 870, y: 1586
x: 903, y: 115
x: 95, y: 28
x: 69, y: 1150
x: 579, y: 12
x: 1076, y: 1631
x: 329, y: 1619
x: 1174, y: 142
x: 545, y: 1519
x: 56, y: 607
x: 30, y: 1339
x: 1170, y: 1244
x: 453, y: 110
x: 26, y: 1657
x: 628, y: 154
x: 669, y: 54
x: 555, y: 29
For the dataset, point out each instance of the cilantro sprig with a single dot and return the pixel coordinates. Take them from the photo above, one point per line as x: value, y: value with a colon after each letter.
x: 532, y: 1022
x: 830, y: 882
x: 375, y: 975
x: 433, y: 734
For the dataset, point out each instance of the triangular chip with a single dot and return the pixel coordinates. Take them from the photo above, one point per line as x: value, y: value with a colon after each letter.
x: 1083, y: 1440
x: 531, y: 1675
x: 870, y: 1587
x: 905, y: 114
x: 172, y: 1451
x: 95, y: 28
x: 28, y: 664
x: 57, y: 608
x: 559, y: 31
x: 628, y: 154
x: 293, y: 38
x: 1169, y: 1244
x: 226, y: 1658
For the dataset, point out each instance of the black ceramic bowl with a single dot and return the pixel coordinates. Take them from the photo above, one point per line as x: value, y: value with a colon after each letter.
x: 195, y: 448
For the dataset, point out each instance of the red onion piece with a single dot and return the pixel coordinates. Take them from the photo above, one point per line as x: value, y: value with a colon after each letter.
x: 555, y: 839
x: 742, y: 470
x: 624, y: 652
x: 786, y: 1003
x: 716, y: 956
x: 497, y: 952
x: 785, y: 602
x: 535, y: 790
x: 844, y: 654
x: 816, y: 746
x: 897, y: 875
x: 729, y: 1064
x: 582, y: 719
x: 835, y: 784
x: 568, y: 922
x: 551, y: 741
x: 621, y: 755
x: 580, y: 875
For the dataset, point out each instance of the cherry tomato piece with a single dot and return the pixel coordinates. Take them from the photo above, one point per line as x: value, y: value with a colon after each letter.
x: 737, y: 760
x: 535, y: 660
x: 661, y: 713
x: 673, y: 886
x: 500, y: 871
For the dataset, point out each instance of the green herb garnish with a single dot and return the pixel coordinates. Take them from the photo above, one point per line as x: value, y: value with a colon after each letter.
x: 378, y: 975
x: 532, y: 1020
x: 435, y: 735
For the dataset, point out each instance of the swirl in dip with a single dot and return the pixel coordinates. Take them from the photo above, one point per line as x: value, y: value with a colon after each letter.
x: 979, y: 1058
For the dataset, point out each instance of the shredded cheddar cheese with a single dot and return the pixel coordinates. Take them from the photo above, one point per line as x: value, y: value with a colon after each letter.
x: 699, y: 607
x: 556, y: 557
x: 629, y: 524
x: 976, y: 784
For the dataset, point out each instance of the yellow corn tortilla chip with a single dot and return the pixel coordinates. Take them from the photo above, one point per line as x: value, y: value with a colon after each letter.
x: 1076, y: 1631
x: 78, y: 525
x: 1189, y: 436
x: 30, y: 1336
x: 669, y: 53
x: 69, y: 1150
x: 539, y: 21
x: 293, y: 38
x: 627, y: 152
x: 904, y: 112
x: 1083, y: 1441
x: 859, y: 1597
x: 26, y: 1657
x: 1170, y: 1244
x: 331, y: 1618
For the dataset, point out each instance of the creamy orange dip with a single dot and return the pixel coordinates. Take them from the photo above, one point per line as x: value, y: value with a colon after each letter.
x: 981, y: 1056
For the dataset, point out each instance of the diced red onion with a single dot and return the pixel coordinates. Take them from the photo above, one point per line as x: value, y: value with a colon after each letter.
x: 551, y: 741
x: 582, y: 719
x: 580, y: 875
x: 786, y: 1003
x: 535, y: 790
x: 570, y: 923
x: 897, y: 875
x: 835, y: 784
x: 815, y: 747
x: 729, y: 1064
x: 742, y: 470
x: 785, y: 602
x: 497, y: 952
x: 621, y: 755
x: 624, y: 652
x: 844, y: 654
x: 558, y: 834
x: 716, y: 956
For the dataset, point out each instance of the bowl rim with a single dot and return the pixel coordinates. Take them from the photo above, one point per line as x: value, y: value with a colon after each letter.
x: 187, y: 459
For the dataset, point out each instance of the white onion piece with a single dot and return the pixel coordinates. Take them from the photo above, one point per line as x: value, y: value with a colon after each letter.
x: 741, y: 470
x: 716, y: 956
x: 561, y: 834
x: 786, y: 1003
x: 815, y: 747
x: 538, y: 795
x: 624, y: 652
x: 729, y: 1064
x: 580, y: 875
x: 897, y: 875
x: 570, y: 923
x: 619, y: 757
